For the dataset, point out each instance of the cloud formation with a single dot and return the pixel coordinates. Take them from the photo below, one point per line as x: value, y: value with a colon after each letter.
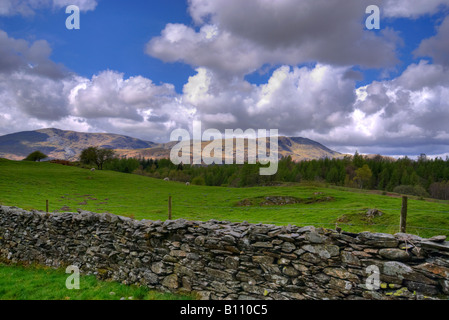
x: 406, y: 115
x: 412, y: 8
x: 237, y: 38
x: 437, y: 47
x: 293, y: 99
x: 109, y: 95
x: 32, y: 58
x: 35, y: 92
x: 310, y: 47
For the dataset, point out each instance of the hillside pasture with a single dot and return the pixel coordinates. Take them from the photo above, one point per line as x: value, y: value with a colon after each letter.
x: 28, y: 185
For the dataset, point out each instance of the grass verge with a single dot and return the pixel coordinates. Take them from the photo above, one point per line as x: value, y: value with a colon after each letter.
x: 18, y: 282
x: 28, y: 185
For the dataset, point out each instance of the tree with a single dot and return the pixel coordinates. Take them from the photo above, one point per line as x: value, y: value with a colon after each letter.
x: 422, y: 157
x: 358, y: 160
x: 363, y: 175
x: 97, y: 156
x: 104, y: 155
x: 35, y: 156
x: 333, y: 175
x: 89, y: 155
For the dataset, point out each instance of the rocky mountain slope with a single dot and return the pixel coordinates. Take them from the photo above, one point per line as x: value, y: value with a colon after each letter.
x: 67, y: 145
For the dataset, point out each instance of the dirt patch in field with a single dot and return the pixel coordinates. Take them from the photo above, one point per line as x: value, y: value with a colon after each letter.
x: 280, y: 201
x: 343, y: 219
x: 393, y: 195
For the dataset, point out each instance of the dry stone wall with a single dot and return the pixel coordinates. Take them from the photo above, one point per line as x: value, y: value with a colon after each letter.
x: 224, y: 260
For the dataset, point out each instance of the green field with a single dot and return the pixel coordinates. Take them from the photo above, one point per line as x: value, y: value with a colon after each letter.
x: 28, y: 185
x: 41, y: 283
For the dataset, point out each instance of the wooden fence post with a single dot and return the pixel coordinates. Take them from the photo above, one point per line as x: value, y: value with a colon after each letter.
x: 169, y: 207
x: 404, y: 215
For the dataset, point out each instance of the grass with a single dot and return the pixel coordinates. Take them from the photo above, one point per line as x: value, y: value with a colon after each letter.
x: 28, y: 185
x: 42, y: 283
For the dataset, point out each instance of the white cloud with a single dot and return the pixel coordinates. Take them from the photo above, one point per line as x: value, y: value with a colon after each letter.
x: 437, y: 47
x: 38, y: 97
x: 221, y: 52
x: 222, y: 118
x: 293, y: 99
x: 84, y: 5
x: 238, y: 37
x: 197, y: 87
x: 32, y: 58
x: 412, y: 8
x: 108, y: 94
x: 405, y: 115
x: 36, y: 93
x: 31, y: 84
x: 424, y: 75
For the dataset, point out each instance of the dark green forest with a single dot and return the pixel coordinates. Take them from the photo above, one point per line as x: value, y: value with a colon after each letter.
x: 423, y: 177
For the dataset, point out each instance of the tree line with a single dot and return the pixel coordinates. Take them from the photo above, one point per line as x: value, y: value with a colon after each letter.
x: 423, y: 177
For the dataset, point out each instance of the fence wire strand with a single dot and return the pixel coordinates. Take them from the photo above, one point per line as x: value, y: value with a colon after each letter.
x: 298, y: 208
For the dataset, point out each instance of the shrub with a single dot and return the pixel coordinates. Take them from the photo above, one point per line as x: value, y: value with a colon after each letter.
x: 125, y: 165
x: 199, y: 181
x: 411, y: 190
x: 35, y: 156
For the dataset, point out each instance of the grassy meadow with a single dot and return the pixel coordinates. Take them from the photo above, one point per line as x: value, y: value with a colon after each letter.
x: 28, y: 185
x: 42, y: 283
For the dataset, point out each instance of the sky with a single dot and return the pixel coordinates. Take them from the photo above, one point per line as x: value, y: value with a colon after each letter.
x: 308, y: 68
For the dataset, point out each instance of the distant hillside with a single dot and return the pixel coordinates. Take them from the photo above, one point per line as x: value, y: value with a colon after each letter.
x: 304, y: 149
x: 60, y: 144
x: 67, y: 145
x: 298, y: 148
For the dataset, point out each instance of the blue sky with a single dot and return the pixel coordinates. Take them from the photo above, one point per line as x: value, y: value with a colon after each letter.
x: 312, y: 69
x: 112, y: 36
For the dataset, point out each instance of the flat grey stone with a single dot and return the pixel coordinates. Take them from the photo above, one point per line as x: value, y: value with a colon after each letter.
x: 437, y: 239
x: 444, y: 246
x: 394, y: 254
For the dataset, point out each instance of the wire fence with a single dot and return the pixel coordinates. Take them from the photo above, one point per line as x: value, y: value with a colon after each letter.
x: 302, y: 213
x: 246, y: 208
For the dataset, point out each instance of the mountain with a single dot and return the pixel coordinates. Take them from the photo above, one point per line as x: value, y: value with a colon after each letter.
x: 304, y: 149
x: 67, y: 145
x: 298, y: 148
x: 60, y: 144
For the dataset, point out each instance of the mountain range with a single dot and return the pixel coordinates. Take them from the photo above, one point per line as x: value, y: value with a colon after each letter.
x: 67, y: 145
